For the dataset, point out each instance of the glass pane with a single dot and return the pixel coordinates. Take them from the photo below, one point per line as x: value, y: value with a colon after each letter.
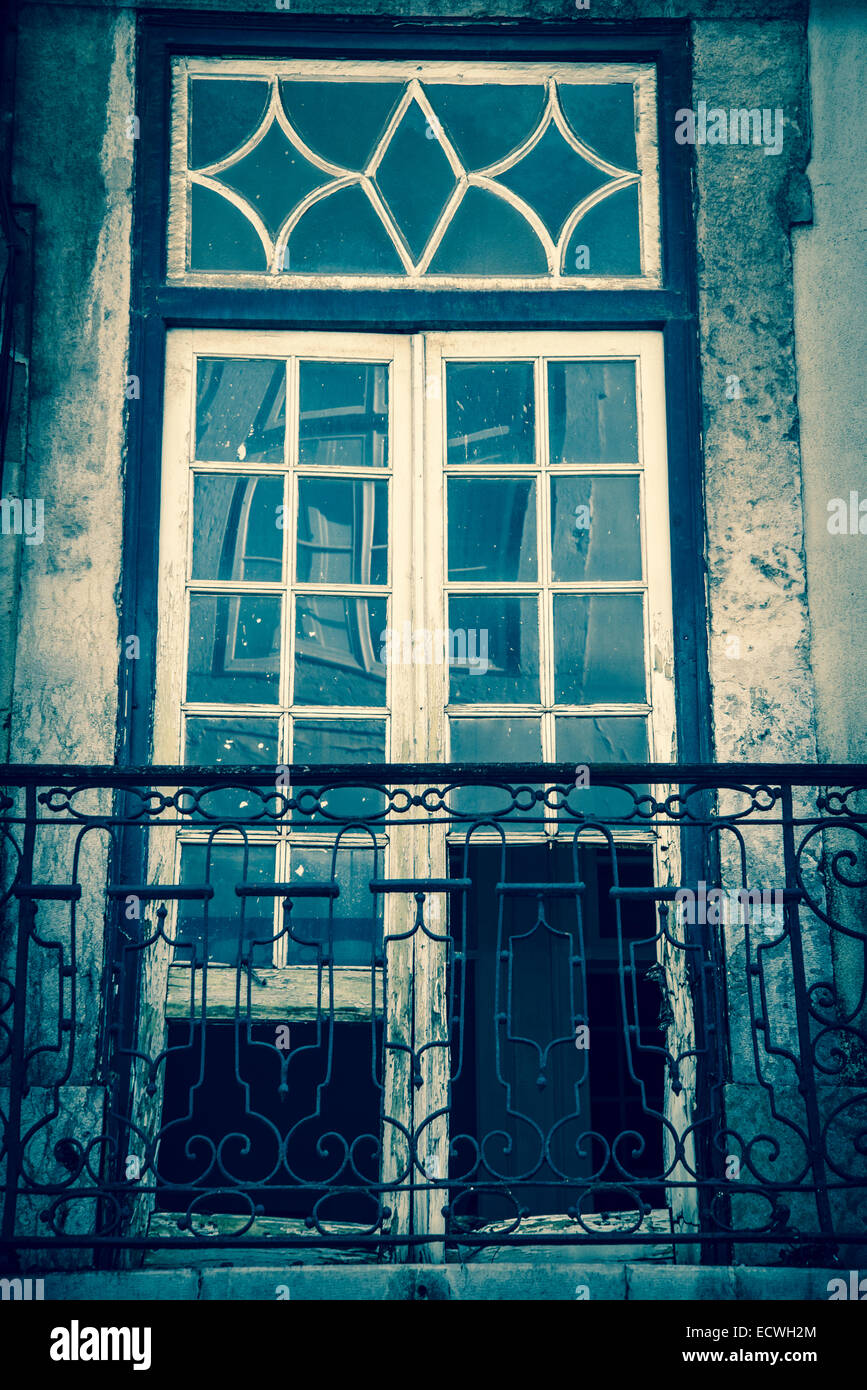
x: 338, y: 642
x: 222, y: 238
x: 592, y: 412
x: 415, y: 178
x: 342, y: 742
x: 603, y: 117
x: 356, y: 923
x: 595, y: 528
x: 490, y: 412
x: 227, y: 926
x: 493, y: 740
x: 598, y: 649
x: 494, y: 643
x: 274, y: 177
x: 240, y: 410
x: 492, y: 529
x: 342, y: 121
x: 606, y: 239
x: 487, y: 236
x: 228, y: 742
x: 341, y: 234
x: 223, y: 116
x: 343, y: 414
x: 553, y: 179
x: 234, y: 648
x: 485, y: 123
x: 342, y: 531
x: 236, y: 527
x: 588, y: 739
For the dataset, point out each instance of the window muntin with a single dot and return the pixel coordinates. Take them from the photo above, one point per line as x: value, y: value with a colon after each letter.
x: 362, y: 173
x: 429, y: 485
x: 570, y: 574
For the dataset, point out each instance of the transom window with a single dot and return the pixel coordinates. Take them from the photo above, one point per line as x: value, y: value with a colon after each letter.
x: 358, y: 173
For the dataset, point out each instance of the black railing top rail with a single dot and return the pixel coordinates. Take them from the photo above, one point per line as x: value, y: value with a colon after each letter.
x: 434, y: 774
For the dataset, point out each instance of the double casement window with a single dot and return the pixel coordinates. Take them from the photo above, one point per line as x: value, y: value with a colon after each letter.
x: 434, y: 547
x: 433, y: 540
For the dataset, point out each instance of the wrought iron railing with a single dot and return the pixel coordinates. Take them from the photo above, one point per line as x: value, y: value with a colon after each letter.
x: 434, y: 1012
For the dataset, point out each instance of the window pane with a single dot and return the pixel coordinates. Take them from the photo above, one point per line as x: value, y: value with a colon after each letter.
x: 344, y: 414
x: 222, y: 238
x: 553, y: 178
x: 492, y: 529
x: 236, y: 527
x: 415, y: 178
x: 595, y: 528
x: 490, y: 412
x: 494, y: 648
x: 342, y: 531
x: 337, y: 651
x: 605, y: 240
x: 342, y: 742
x: 606, y: 738
x: 592, y: 412
x: 227, y: 742
x: 234, y: 925
x: 493, y: 740
x: 240, y: 410
x: 598, y: 649
x: 588, y: 739
x: 356, y: 923
x: 234, y: 648
x: 273, y: 177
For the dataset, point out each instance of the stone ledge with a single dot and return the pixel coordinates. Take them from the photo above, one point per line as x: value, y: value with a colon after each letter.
x: 541, y: 1282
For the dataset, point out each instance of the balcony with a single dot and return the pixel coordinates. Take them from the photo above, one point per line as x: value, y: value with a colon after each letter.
x: 423, y: 1013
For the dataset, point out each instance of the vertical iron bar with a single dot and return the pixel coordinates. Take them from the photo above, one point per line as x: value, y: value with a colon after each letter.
x: 805, y: 1047
x: 26, y: 916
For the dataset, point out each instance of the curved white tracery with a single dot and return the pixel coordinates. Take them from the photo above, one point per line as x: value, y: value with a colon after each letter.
x: 597, y: 196
x: 275, y: 249
x: 245, y: 208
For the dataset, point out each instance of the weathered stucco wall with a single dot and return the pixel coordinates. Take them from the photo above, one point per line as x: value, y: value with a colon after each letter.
x: 831, y: 303
x: 74, y: 163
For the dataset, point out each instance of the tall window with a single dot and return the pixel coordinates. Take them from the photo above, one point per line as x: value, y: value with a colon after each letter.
x: 435, y: 545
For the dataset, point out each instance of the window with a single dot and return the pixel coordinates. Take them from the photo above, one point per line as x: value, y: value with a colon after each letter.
x: 361, y: 173
x: 425, y: 520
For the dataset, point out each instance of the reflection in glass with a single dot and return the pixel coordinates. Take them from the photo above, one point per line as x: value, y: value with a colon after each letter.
x: 489, y: 412
x: 236, y: 534
x: 224, y: 741
x: 592, y: 412
x: 493, y: 740
x: 598, y: 649
x: 342, y: 531
x: 341, y: 742
x: 343, y: 414
x: 226, y: 927
x: 492, y: 529
x: 355, y: 917
x: 595, y: 528
x: 337, y: 650
x: 494, y: 648
x: 234, y: 648
x: 240, y: 410
x: 590, y: 739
